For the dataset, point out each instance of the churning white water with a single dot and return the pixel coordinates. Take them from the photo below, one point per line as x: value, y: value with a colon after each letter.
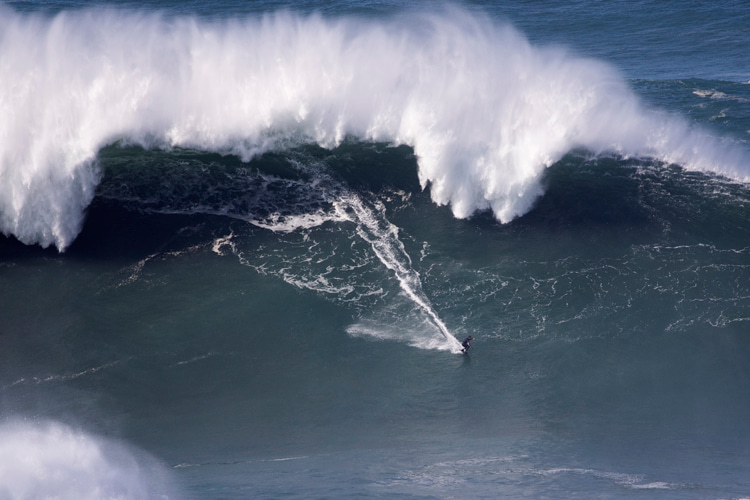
x: 484, y: 110
x: 51, y: 460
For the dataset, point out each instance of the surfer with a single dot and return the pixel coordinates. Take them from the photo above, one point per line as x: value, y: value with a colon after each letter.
x: 467, y: 343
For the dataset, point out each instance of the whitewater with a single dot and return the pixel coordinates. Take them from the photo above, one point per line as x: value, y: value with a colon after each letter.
x: 56, y: 461
x: 241, y: 241
x: 485, y: 111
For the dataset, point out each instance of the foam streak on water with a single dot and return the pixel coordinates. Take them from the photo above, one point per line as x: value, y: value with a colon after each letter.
x: 373, y: 227
x: 484, y: 110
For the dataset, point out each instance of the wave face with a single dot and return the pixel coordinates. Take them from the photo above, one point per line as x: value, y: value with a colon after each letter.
x: 264, y: 298
x: 484, y: 110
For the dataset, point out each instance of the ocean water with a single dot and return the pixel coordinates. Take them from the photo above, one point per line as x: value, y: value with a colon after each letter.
x: 242, y: 241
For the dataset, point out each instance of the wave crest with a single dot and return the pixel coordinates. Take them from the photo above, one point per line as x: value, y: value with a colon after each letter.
x: 484, y: 110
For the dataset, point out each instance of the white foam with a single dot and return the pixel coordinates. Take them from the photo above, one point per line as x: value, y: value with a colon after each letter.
x: 374, y: 228
x: 484, y: 110
x: 51, y: 460
x: 419, y: 334
x: 289, y: 223
x: 632, y: 481
x: 715, y: 94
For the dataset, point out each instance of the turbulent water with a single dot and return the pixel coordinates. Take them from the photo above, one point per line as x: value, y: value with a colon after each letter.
x: 243, y: 241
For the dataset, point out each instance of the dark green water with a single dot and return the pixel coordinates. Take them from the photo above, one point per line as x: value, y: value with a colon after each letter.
x: 610, y: 331
x: 277, y: 228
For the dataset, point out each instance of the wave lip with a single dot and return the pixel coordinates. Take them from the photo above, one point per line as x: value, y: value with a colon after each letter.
x: 484, y: 110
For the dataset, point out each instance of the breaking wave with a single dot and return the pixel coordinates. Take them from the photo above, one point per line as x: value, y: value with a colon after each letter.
x: 484, y: 110
x: 52, y: 460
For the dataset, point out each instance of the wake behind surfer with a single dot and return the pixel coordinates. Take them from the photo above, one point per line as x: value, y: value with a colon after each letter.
x: 466, y: 344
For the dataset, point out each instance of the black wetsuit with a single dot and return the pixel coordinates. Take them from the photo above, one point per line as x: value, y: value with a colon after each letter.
x: 466, y: 345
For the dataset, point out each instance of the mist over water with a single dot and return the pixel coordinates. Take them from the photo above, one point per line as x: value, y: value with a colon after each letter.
x: 50, y: 460
x: 485, y: 111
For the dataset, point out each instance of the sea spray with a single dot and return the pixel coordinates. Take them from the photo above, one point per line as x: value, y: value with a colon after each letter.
x: 51, y: 460
x: 485, y: 111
